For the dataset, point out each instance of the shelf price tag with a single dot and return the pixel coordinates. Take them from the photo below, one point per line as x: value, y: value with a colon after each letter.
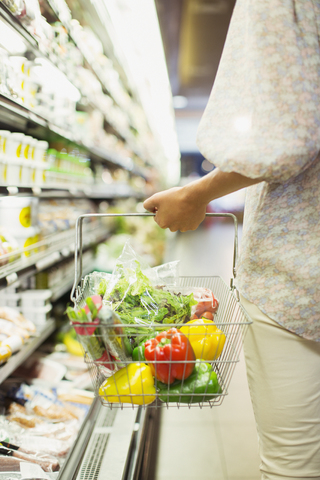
x: 11, y: 278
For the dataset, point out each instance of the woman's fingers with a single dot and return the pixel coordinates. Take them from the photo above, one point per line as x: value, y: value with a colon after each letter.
x: 151, y: 204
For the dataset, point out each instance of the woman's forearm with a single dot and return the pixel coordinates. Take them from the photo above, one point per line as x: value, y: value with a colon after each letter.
x: 217, y: 184
x: 184, y: 208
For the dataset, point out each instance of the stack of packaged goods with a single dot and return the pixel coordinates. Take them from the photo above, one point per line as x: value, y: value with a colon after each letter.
x: 26, y: 161
x: 41, y: 418
x: 19, y: 220
x: 15, y: 330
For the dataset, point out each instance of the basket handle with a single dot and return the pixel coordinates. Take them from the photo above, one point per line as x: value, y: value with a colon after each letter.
x: 75, y: 292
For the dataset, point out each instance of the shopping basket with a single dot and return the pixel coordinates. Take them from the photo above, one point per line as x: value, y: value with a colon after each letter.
x: 198, y: 377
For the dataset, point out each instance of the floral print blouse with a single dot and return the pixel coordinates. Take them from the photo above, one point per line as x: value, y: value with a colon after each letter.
x: 263, y: 121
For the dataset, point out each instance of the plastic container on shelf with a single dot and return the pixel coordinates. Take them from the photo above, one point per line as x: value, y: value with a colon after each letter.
x: 9, y: 299
x: 16, y: 213
x: 32, y: 148
x: 25, y: 166
x: 39, y: 173
x: 26, y: 239
x: 4, y: 134
x: 12, y: 158
x: 40, y: 151
x: 38, y: 315
x: 35, y: 298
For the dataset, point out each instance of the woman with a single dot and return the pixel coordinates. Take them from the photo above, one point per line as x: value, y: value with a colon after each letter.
x: 261, y: 129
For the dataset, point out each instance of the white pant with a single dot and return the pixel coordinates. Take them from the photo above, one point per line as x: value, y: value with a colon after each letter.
x: 283, y: 373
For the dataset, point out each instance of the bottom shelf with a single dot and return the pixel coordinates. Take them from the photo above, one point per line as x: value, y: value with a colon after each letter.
x: 30, y: 346
x: 115, y: 444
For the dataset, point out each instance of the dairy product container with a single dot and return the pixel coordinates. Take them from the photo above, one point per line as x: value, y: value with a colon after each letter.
x: 25, y: 165
x: 26, y: 239
x: 40, y: 151
x: 4, y: 134
x: 16, y: 213
x: 35, y: 298
x: 12, y: 157
x: 38, y: 315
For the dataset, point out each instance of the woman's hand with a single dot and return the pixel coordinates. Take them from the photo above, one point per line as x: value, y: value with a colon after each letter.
x: 176, y: 209
x: 184, y: 208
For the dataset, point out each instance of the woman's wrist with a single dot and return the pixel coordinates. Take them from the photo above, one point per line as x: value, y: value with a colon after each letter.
x: 216, y: 184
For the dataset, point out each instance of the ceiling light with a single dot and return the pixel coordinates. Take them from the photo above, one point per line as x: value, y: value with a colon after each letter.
x: 180, y: 102
x: 136, y: 33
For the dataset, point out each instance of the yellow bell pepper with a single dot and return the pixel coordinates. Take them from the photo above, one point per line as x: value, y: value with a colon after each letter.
x: 132, y: 384
x: 206, y: 339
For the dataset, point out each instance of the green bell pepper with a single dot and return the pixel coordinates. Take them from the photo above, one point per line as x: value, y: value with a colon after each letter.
x: 202, y: 385
x: 138, y: 352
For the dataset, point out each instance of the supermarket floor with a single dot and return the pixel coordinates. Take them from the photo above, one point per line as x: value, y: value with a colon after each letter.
x: 218, y: 443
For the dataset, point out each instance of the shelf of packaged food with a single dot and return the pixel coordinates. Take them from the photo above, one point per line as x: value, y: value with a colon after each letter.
x: 15, y: 116
x: 94, y: 66
x: 11, y: 20
x: 95, y: 192
x: 32, y: 44
x: 28, y: 348
x: 47, y: 252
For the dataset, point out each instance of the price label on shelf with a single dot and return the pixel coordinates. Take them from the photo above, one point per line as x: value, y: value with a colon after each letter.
x: 13, y: 277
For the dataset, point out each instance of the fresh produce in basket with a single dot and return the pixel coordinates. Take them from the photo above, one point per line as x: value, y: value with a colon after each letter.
x: 170, y: 356
x: 205, y: 303
x: 138, y: 352
x: 206, y: 339
x: 139, y: 302
x: 202, y: 385
x: 104, y: 346
x: 132, y: 384
x: 141, y: 320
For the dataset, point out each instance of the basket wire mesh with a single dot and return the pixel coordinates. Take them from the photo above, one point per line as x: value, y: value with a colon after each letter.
x: 130, y: 383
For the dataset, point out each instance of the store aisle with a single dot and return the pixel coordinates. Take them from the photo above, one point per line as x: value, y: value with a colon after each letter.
x: 218, y: 443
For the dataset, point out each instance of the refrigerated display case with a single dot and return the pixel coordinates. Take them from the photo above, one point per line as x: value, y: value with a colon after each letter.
x: 119, y: 165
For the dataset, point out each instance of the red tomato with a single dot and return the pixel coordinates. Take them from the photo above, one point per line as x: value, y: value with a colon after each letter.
x: 206, y: 301
x: 207, y: 315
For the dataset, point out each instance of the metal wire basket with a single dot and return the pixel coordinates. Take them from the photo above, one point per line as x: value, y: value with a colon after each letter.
x: 198, y: 377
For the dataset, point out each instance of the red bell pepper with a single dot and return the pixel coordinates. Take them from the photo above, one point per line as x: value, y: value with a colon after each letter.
x: 170, y: 356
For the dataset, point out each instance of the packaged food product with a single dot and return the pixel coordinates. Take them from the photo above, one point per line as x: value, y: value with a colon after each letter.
x: 41, y: 370
x: 9, y: 346
x: 35, y: 298
x: 16, y: 213
x: 14, y: 316
x: 12, y: 158
x: 10, y: 328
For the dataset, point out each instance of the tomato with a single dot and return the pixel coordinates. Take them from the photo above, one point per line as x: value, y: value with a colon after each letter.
x: 206, y: 302
x: 207, y: 315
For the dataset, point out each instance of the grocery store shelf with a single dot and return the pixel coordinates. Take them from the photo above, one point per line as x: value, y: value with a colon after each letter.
x: 66, y: 285
x: 95, y: 192
x: 11, y: 20
x: 17, y: 117
x: 48, y: 252
x: 33, y: 46
x: 118, y: 160
x: 28, y: 348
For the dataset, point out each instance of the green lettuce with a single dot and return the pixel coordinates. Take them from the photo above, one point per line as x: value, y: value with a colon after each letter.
x: 138, y: 302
